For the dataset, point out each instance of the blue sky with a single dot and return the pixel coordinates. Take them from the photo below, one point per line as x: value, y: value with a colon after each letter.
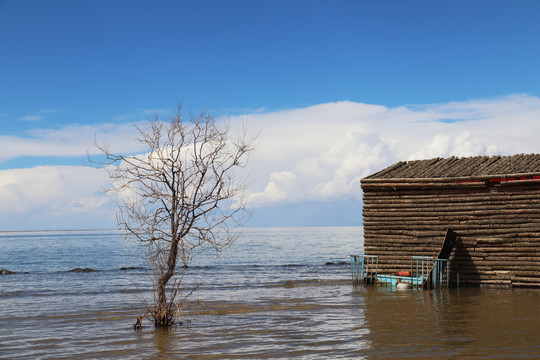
x: 337, y: 89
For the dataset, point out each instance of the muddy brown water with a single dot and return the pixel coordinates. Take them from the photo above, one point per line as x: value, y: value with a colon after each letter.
x: 309, y: 321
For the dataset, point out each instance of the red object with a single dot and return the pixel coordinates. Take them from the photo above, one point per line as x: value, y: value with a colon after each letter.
x: 502, y: 179
x: 403, y: 273
x: 468, y: 181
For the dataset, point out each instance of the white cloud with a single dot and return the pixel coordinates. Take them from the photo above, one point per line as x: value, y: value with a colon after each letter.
x: 462, y: 145
x: 37, y: 117
x: 54, y: 197
x: 280, y: 189
x: 346, y: 162
x: 318, y: 153
x: 31, y: 118
x: 331, y: 173
x: 323, y: 151
x: 68, y: 141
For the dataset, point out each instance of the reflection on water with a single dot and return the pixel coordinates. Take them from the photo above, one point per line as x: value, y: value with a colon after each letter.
x: 463, y: 323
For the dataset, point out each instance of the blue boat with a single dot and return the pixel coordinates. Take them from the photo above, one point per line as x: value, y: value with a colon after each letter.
x: 394, y: 280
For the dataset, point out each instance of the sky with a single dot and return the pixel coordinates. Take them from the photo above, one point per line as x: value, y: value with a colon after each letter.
x: 335, y: 90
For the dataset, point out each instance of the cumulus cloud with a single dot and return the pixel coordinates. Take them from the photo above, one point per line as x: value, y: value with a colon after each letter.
x: 462, y: 145
x: 280, y: 188
x: 320, y: 153
x: 54, y: 197
x: 317, y: 153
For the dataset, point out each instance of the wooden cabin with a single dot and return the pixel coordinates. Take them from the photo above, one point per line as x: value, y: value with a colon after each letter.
x: 492, y: 203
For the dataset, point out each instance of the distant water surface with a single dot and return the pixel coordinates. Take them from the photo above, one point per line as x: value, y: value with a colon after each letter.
x: 278, y: 293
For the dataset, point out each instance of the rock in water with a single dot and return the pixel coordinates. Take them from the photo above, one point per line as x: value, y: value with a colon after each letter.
x: 82, y: 270
x: 403, y: 286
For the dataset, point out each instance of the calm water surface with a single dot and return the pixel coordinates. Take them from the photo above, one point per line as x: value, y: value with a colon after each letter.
x: 277, y: 294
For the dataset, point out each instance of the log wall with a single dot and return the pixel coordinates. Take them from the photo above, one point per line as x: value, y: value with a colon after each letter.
x: 498, y: 226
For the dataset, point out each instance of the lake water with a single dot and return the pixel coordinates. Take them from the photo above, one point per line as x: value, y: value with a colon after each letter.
x: 277, y: 294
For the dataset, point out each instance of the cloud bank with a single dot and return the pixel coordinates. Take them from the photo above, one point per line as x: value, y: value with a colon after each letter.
x: 54, y: 197
x: 69, y: 141
x: 313, y: 154
x: 320, y: 153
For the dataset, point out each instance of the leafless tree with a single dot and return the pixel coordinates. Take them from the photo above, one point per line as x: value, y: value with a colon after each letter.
x: 181, y: 196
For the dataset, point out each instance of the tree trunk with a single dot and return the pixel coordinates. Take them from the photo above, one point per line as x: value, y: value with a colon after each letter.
x: 165, y: 312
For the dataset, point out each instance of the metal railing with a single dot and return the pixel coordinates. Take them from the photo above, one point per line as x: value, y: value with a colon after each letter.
x: 364, y: 269
x: 426, y: 272
x: 435, y: 272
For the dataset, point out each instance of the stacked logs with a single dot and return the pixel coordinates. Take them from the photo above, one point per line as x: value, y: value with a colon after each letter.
x: 498, y: 224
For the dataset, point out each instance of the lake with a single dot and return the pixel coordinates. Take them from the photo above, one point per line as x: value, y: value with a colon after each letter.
x: 278, y: 293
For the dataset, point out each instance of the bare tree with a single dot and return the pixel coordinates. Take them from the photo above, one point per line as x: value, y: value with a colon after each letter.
x: 182, y: 195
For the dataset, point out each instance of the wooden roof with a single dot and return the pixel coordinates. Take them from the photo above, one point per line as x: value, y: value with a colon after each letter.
x: 454, y: 167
